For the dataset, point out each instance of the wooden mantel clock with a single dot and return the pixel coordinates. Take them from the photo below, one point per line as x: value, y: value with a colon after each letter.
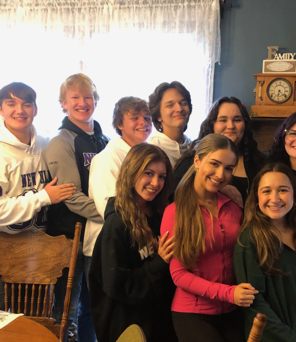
x: 276, y: 86
x: 275, y: 95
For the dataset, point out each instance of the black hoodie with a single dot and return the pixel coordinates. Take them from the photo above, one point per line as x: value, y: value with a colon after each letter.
x: 128, y: 286
x: 68, y: 157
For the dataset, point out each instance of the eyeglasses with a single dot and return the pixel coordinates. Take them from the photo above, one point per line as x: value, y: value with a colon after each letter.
x: 290, y: 135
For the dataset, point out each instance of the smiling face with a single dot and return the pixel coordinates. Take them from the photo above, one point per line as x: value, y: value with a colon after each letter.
x: 151, y: 182
x: 80, y: 106
x: 290, y: 142
x: 136, y: 127
x: 275, y: 195
x: 18, y: 116
x: 174, y: 111
x: 214, y: 170
x: 230, y: 122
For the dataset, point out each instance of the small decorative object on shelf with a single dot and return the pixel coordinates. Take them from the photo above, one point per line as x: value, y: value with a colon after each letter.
x: 281, y: 63
x: 275, y: 94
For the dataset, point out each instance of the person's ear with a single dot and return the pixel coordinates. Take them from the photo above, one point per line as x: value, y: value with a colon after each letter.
x: 36, y: 111
x: 121, y: 125
x: 197, y: 162
x: 65, y: 106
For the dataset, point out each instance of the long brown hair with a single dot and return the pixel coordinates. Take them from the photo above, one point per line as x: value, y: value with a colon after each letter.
x: 126, y: 205
x: 261, y: 231
x: 247, y: 146
x: 189, y: 224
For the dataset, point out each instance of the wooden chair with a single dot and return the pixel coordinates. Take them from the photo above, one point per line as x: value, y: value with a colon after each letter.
x: 257, y: 328
x: 132, y: 334
x: 30, y: 264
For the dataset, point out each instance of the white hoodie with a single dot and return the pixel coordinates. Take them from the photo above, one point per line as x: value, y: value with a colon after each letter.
x: 104, y: 171
x: 23, y: 175
x: 173, y: 149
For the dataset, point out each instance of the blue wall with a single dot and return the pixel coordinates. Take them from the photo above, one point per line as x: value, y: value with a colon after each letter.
x: 246, y: 30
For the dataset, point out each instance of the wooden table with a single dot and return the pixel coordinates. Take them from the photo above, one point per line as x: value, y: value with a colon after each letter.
x: 25, y: 330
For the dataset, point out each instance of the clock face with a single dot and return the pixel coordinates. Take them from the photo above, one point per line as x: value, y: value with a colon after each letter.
x: 279, y: 90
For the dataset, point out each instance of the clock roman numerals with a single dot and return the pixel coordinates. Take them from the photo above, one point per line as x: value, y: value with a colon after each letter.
x: 279, y: 90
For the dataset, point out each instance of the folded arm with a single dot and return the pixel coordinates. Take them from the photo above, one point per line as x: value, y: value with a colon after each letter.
x: 196, y: 285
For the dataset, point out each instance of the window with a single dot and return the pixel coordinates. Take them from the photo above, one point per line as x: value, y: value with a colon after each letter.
x: 121, y: 62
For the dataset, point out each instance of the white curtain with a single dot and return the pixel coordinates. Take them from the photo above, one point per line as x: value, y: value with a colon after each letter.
x: 126, y: 47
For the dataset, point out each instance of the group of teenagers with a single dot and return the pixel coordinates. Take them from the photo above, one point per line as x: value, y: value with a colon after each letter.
x: 187, y: 239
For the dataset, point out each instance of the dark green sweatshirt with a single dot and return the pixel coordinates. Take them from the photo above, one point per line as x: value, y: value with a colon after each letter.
x: 277, y: 294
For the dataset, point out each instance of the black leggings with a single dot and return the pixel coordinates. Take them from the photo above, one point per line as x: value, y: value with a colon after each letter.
x: 191, y: 327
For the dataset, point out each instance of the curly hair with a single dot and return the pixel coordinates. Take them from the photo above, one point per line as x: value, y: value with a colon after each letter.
x: 156, y: 97
x: 278, y: 151
x: 261, y: 231
x: 135, y: 163
x: 247, y: 146
x: 126, y: 105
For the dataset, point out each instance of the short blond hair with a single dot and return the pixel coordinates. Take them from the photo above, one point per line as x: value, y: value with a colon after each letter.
x: 82, y: 82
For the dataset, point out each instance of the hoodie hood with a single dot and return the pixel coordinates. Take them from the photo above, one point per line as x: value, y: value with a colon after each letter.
x: 66, y: 123
x: 118, y: 144
x: 8, y: 138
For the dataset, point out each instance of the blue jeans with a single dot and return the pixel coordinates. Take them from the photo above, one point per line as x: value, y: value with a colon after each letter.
x: 79, y: 299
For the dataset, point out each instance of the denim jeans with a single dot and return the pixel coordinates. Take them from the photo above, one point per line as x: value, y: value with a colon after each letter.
x: 79, y: 300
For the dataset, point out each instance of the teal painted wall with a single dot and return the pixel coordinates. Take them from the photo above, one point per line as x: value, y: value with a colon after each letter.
x: 246, y: 30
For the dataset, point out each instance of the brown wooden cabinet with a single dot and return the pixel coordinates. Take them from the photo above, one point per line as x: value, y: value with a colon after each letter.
x: 264, y: 130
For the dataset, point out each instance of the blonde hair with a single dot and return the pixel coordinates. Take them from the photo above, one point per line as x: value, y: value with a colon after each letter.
x: 82, y: 82
x: 189, y: 224
x: 126, y: 205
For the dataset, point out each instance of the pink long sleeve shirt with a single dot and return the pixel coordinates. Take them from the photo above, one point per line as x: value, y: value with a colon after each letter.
x: 209, y: 288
